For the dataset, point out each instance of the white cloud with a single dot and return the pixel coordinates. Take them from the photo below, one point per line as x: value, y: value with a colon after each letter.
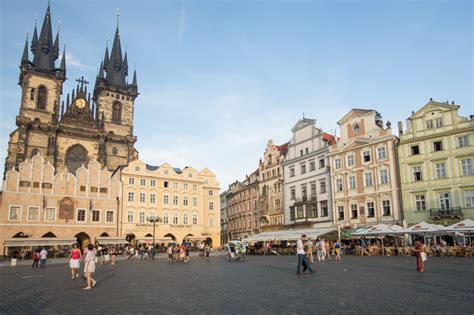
x: 73, y: 61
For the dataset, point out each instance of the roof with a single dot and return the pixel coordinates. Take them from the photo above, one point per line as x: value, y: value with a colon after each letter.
x: 151, y: 167
x: 329, y: 138
x: 356, y: 112
x: 303, y: 123
x: 283, y: 148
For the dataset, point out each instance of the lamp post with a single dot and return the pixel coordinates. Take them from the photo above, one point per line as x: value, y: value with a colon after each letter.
x: 154, y: 220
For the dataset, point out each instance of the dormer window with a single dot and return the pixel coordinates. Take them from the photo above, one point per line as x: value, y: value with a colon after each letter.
x: 356, y: 128
x: 42, y: 94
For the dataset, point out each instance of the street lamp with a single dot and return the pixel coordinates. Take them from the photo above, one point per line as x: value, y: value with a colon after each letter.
x: 154, y: 220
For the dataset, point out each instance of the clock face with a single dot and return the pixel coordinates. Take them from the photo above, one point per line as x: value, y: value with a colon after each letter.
x: 80, y: 103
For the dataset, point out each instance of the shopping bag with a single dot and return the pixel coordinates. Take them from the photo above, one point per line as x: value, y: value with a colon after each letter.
x: 424, y: 257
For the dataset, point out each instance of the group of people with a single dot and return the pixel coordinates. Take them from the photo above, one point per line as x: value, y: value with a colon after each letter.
x: 89, y: 257
x: 178, y: 252
x: 39, y: 256
x: 323, y: 249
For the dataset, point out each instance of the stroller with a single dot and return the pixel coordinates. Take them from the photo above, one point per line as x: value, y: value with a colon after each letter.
x: 236, y: 251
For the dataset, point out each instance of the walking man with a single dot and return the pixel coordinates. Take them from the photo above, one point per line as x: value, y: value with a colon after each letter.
x: 302, y: 258
x: 43, y: 256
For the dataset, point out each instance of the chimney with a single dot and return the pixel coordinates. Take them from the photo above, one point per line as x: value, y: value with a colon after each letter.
x: 400, y: 128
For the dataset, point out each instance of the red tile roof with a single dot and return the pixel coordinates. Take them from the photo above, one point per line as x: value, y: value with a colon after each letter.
x: 283, y: 148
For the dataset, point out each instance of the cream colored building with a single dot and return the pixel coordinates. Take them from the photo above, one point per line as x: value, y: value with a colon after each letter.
x: 364, y: 171
x: 186, y: 200
x: 436, y: 155
x: 40, y: 206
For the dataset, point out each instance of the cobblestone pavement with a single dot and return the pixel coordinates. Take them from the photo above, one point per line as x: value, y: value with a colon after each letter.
x: 261, y: 285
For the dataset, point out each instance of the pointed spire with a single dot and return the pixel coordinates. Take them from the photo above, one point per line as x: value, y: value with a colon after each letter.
x: 56, y: 46
x: 101, y: 70
x: 44, y: 55
x: 134, y: 82
x: 125, y: 64
x: 63, y: 61
x: 106, y: 57
x: 115, y: 72
x: 34, y: 41
x: 25, y: 51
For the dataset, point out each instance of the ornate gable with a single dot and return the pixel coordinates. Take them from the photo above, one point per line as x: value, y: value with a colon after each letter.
x: 433, y: 106
x: 303, y: 123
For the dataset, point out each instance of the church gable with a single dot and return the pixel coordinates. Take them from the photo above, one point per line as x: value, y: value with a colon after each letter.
x: 433, y: 107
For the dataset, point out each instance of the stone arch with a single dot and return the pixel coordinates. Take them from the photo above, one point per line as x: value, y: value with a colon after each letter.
x: 149, y: 235
x: 49, y: 234
x: 21, y: 235
x: 83, y: 239
x: 105, y: 234
x: 76, y: 156
x: 171, y: 235
x: 208, y: 241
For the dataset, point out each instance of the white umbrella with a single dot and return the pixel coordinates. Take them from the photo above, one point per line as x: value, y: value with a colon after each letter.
x: 422, y: 228
x: 463, y: 226
x: 381, y: 229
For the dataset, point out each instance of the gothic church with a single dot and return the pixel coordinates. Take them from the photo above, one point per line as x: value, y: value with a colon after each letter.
x: 70, y: 131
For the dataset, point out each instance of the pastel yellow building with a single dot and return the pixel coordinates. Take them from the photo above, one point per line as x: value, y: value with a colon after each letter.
x: 186, y: 200
x: 436, y: 153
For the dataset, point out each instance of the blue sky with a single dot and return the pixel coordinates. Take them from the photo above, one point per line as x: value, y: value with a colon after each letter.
x: 219, y: 78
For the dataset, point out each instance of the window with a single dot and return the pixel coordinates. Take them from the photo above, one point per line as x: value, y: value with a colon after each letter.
x: 370, y: 210
x: 50, y: 214
x: 368, y: 179
x: 109, y: 216
x: 211, y: 206
x: 130, y: 216
x: 165, y: 199
x: 292, y: 172
x: 95, y: 216
x: 440, y: 170
x: 33, y: 214
x: 352, y: 182
x: 301, y: 152
x: 337, y: 163
x: 303, y: 168
x: 195, y: 219
x: 340, y: 211
x: 166, y: 184
x: 383, y: 177
x: 356, y: 128
x: 354, y: 212
x: 211, y: 193
x: 131, y: 196
x: 152, y: 214
x: 417, y: 173
x: 324, y: 208
x: 141, y: 217
x: 211, y: 222
x: 381, y: 152
x: 463, y: 141
x: 175, y: 200
x: 175, y: 185
x: 131, y: 181
x: 313, y: 189
x: 152, y: 198
x: 439, y: 122
x: 322, y: 186
x: 116, y: 112
x: 415, y: 149
x: 438, y: 146
x: 81, y: 215
x: 322, y: 163
x: 366, y: 156
x: 185, y: 186
x: 292, y: 213
x: 137, y: 168
x: 103, y: 190
x: 420, y: 202
x: 312, y: 166
x: 195, y: 201
x: 42, y: 96
x: 175, y: 218
x: 304, y: 191
x: 185, y: 201
x: 339, y: 184
x: 32, y: 94
x: 312, y: 211
x: 292, y: 193
x: 195, y: 187
x: 142, y: 197
x: 429, y: 124
x: 185, y: 219
x: 152, y: 183
x: 466, y: 167
x: 94, y: 189
x: 306, y: 150
x: 165, y: 218
x: 143, y: 182
x: 386, y: 207
x: 299, y: 212
x: 469, y: 198
x: 444, y: 200
x: 350, y: 160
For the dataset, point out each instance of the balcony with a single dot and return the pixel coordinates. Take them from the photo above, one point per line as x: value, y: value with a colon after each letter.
x: 438, y: 213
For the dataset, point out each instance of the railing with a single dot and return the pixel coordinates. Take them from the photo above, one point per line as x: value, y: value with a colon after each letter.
x: 446, y: 213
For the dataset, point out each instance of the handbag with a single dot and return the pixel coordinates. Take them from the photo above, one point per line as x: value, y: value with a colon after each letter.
x: 424, y: 257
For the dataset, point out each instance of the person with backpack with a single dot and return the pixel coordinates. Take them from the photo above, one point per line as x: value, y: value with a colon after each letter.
x: 36, y: 258
x: 337, y: 250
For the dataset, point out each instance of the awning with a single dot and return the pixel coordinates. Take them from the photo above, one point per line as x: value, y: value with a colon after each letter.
x: 463, y: 226
x: 50, y: 241
x: 157, y: 240
x: 294, y: 235
x: 112, y: 240
x: 197, y: 238
x: 381, y: 229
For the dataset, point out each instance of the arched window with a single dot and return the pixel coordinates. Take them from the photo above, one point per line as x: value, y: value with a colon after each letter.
x: 185, y: 218
x: 195, y: 219
x: 116, y: 112
x: 175, y: 218
x: 41, y: 101
x: 34, y: 152
x: 211, y: 222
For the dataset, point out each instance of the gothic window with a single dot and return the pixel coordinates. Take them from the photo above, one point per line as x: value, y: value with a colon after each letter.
x: 34, y: 152
x: 116, y: 112
x: 75, y: 157
x: 32, y: 94
x: 41, y: 101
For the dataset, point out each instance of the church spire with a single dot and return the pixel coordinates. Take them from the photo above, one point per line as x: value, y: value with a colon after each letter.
x: 56, y: 46
x: 34, y: 41
x: 101, y: 70
x: 106, y: 57
x: 25, y: 51
x: 115, y: 72
x: 125, y: 64
x: 134, y: 82
x: 44, y: 50
x: 62, y: 68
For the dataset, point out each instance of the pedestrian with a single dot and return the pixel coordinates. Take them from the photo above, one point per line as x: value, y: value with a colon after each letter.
x: 113, y: 253
x: 43, y: 257
x: 207, y: 250
x: 420, y: 256
x: 337, y: 250
x: 302, y: 258
x: 74, y: 261
x: 309, y: 253
x: 187, y: 249
x: 327, y: 250
x: 319, y: 250
x: 36, y: 258
x: 182, y: 253
x: 89, y: 266
x: 170, y: 253
x: 105, y: 255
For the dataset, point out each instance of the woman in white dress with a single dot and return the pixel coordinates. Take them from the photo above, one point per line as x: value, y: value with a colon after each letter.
x: 89, y: 266
x: 74, y: 259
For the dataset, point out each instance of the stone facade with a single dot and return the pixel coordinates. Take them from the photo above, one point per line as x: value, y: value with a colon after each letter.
x: 307, y: 182
x: 186, y: 200
x: 39, y: 202
x: 224, y: 209
x: 436, y: 153
x: 364, y: 171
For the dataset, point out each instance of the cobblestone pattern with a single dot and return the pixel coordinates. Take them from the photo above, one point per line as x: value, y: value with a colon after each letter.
x: 261, y: 285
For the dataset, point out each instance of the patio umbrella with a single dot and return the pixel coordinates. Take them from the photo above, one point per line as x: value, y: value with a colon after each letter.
x: 381, y: 229
x: 462, y: 227
x: 423, y: 228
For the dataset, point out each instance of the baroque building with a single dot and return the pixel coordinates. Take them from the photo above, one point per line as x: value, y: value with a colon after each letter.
x: 270, y: 183
x: 224, y: 210
x: 364, y: 171
x: 307, y: 182
x: 186, y: 200
x: 436, y: 153
x: 73, y: 130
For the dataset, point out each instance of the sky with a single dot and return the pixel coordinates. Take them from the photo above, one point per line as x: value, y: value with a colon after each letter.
x: 218, y: 79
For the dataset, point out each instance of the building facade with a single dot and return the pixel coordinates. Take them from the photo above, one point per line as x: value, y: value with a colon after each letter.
x: 243, y: 208
x: 73, y: 130
x: 270, y: 183
x: 186, y: 200
x: 224, y: 209
x: 307, y: 181
x: 40, y: 203
x: 436, y: 153
x: 364, y: 171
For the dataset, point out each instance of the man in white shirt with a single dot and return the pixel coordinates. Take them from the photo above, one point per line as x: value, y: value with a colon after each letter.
x: 43, y: 256
x: 302, y: 258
